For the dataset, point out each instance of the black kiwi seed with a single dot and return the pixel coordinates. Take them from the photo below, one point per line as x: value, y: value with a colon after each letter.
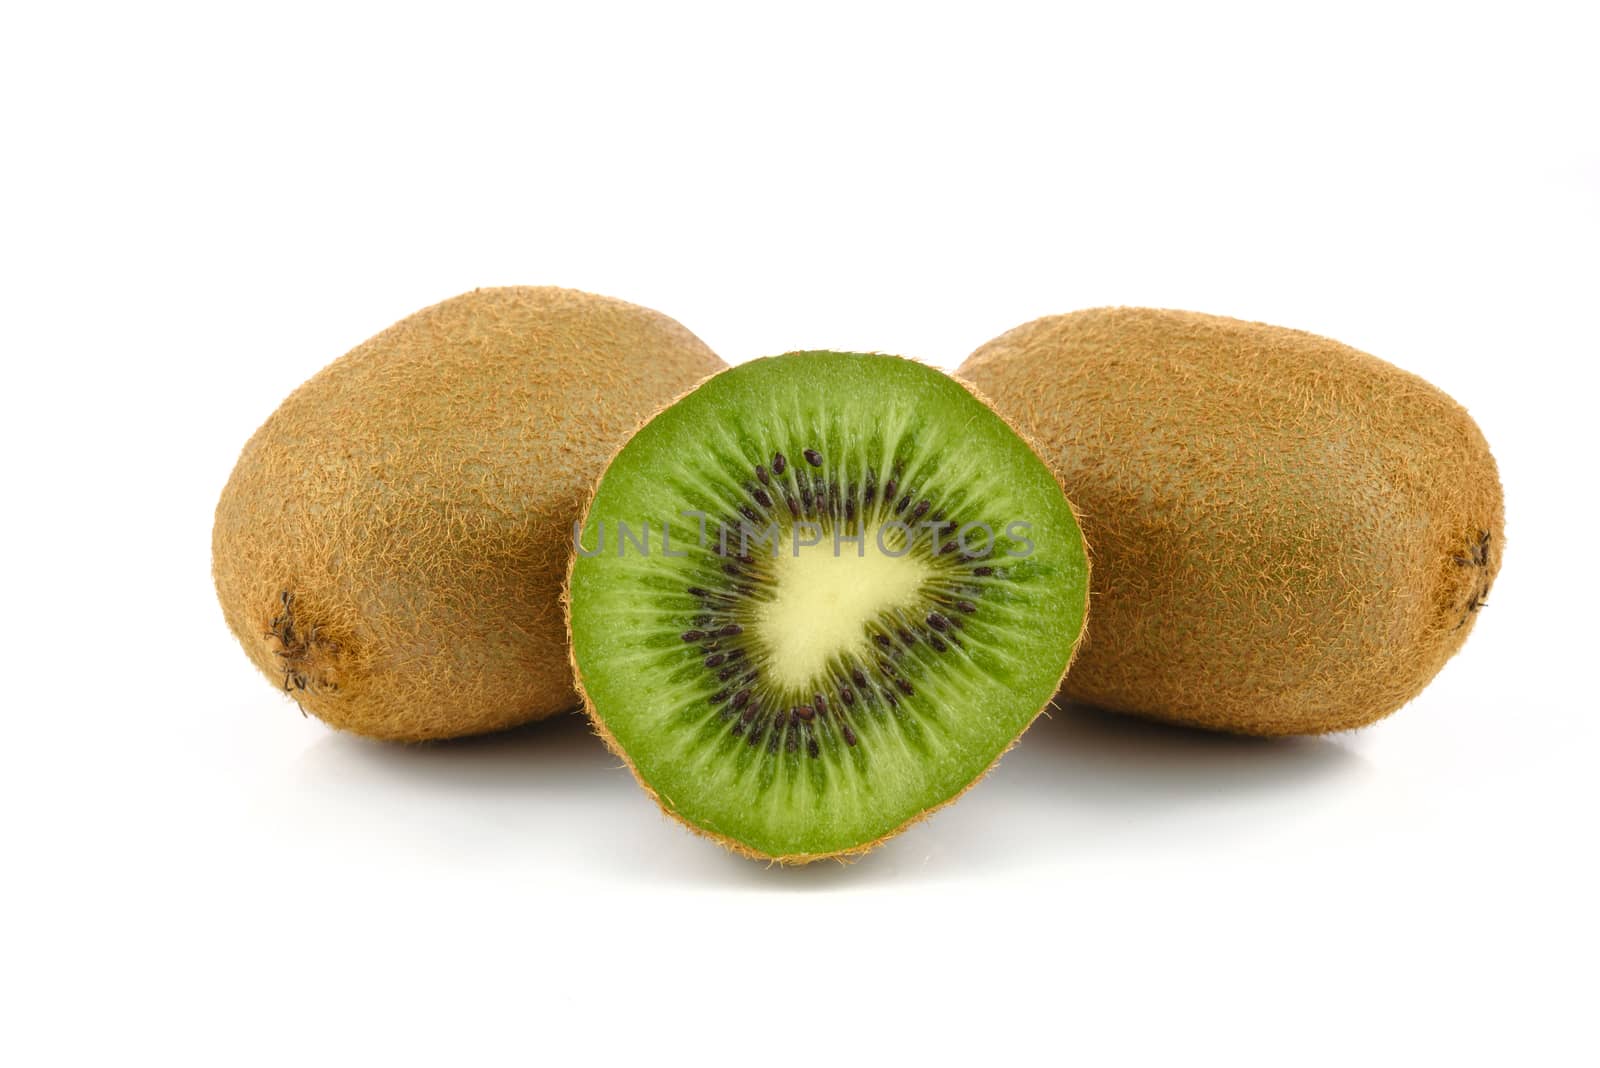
x: 749, y: 713
x: 780, y: 721
x: 888, y: 489
x: 812, y: 748
x: 938, y: 622
x: 691, y: 635
x: 719, y: 697
x: 938, y: 643
x: 804, y: 712
x: 716, y: 660
x: 847, y: 695
x: 778, y: 463
x: 696, y: 591
x: 921, y: 509
x: 813, y: 457
x: 883, y: 640
x: 849, y: 735
x: 821, y: 704
x: 749, y: 513
x: 727, y: 673
x: 905, y: 687
x: 860, y: 677
x: 730, y: 631
x: 761, y: 497
x: 732, y: 569
x: 966, y: 606
x: 792, y: 742
x: 900, y: 506
x: 983, y: 571
x: 906, y: 637
x: 741, y: 698
x: 761, y: 475
x: 794, y: 506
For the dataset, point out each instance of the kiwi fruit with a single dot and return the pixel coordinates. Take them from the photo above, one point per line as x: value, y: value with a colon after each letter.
x: 1290, y: 536
x: 816, y: 599
x: 391, y: 546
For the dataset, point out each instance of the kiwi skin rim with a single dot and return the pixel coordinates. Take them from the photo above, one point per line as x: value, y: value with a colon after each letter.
x: 853, y: 852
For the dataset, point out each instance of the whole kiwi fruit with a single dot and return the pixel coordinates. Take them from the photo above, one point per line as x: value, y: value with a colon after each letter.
x: 1289, y: 536
x: 392, y: 544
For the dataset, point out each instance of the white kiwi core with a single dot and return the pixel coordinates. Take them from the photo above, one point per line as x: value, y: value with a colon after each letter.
x: 824, y: 595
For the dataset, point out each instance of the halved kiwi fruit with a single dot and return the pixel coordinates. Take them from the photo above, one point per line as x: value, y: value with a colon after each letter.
x: 818, y: 597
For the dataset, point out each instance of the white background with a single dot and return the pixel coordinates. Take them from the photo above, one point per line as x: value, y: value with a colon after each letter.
x: 201, y: 207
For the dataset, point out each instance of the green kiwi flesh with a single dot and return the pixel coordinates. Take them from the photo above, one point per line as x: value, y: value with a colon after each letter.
x: 818, y: 597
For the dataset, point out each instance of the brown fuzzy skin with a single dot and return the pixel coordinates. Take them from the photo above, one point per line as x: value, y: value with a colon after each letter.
x: 1290, y: 536
x: 391, y: 546
x: 733, y: 845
